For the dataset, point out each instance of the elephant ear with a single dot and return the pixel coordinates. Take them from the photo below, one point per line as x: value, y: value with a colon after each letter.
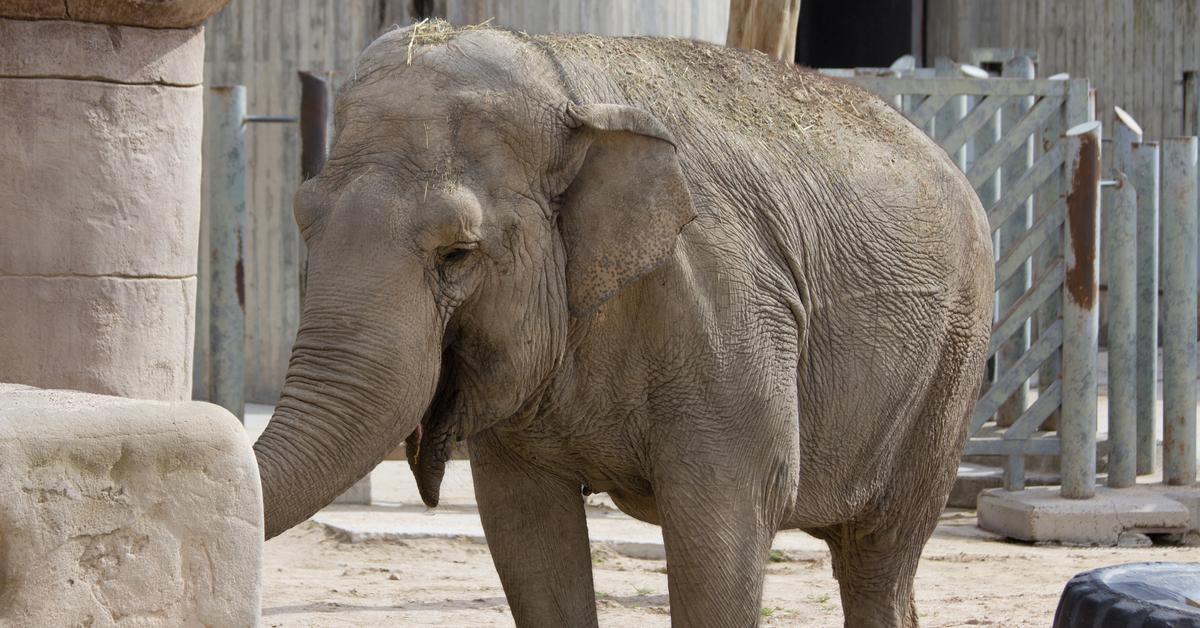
x: 624, y: 209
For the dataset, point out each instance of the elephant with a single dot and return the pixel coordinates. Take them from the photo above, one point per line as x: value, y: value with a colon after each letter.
x: 736, y: 296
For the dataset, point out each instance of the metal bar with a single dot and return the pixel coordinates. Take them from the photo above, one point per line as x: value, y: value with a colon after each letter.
x: 227, y: 221
x: 923, y: 116
x: 990, y: 446
x: 314, y: 144
x: 1003, y: 387
x: 1119, y: 244
x: 1025, y: 307
x: 955, y: 86
x: 1014, y: 472
x: 1018, y: 194
x: 1077, y: 428
x: 1048, y: 198
x: 1146, y: 180
x: 1179, y: 310
x: 1028, y: 423
x: 980, y: 115
x: 1029, y: 124
x: 948, y: 118
x: 1011, y: 290
x: 1022, y: 249
x: 265, y: 118
x: 1191, y: 98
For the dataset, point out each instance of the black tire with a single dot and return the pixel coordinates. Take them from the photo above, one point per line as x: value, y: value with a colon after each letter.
x: 1137, y: 595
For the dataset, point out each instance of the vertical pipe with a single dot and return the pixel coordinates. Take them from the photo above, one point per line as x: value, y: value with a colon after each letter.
x: 227, y: 221
x: 1077, y: 428
x: 955, y: 108
x: 1119, y: 245
x: 1047, y: 200
x: 1119, y: 250
x: 1010, y: 233
x: 314, y: 143
x: 1179, y: 225
x: 1146, y: 180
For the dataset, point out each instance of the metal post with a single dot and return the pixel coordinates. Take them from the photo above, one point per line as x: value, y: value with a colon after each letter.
x: 1077, y: 429
x: 1179, y: 224
x: 227, y: 223
x: 1047, y: 200
x: 1010, y: 233
x: 314, y: 143
x: 946, y: 119
x: 1119, y: 265
x: 1119, y: 245
x: 1145, y: 180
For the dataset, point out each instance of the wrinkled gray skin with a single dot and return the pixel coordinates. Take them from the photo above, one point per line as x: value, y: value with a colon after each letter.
x: 737, y: 297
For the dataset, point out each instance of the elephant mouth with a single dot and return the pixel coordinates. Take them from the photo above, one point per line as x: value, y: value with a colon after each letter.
x: 428, y: 447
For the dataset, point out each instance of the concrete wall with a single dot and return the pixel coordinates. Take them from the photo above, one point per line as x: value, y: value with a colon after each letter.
x: 100, y: 195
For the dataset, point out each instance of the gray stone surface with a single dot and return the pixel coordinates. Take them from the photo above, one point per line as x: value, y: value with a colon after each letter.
x: 122, y: 54
x: 973, y: 478
x: 153, y: 13
x: 1040, y: 514
x: 125, y: 512
x: 99, y: 178
x: 127, y: 337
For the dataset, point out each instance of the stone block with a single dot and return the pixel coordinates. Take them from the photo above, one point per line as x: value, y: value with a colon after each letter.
x: 1040, y: 514
x: 359, y: 494
x: 128, y: 337
x: 122, y: 54
x: 973, y: 479
x: 153, y: 14
x: 126, y: 512
x: 99, y: 178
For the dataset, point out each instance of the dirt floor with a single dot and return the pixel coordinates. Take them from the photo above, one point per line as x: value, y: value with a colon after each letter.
x: 966, y: 578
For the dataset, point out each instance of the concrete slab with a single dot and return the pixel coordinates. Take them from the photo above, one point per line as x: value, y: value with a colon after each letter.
x: 1040, y: 514
x: 975, y: 478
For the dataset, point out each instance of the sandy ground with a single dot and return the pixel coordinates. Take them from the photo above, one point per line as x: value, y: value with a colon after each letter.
x: 314, y: 576
x: 313, y: 579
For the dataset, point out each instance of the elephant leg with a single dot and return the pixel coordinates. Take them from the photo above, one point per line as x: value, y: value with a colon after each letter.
x: 537, y: 534
x: 875, y: 573
x: 717, y: 546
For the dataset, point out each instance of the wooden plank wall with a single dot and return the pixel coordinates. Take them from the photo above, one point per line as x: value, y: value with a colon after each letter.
x: 263, y: 43
x: 1133, y: 51
x: 696, y: 19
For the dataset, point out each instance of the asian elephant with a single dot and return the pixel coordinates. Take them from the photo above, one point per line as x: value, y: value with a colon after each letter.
x: 736, y: 296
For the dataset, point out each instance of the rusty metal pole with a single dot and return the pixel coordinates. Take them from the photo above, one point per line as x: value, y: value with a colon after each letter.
x: 227, y: 223
x: 1077, y: 429
x: 1145, y: 178
x: 1179, y: 224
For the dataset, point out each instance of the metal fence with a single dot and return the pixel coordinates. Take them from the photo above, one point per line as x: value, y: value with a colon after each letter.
x: 1032, y: 150
x: 219, y: 365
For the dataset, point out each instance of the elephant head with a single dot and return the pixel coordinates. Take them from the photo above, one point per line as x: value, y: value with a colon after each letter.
x: 472, y: 212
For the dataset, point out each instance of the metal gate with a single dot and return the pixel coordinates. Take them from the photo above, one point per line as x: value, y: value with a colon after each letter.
x: 1024, y: 146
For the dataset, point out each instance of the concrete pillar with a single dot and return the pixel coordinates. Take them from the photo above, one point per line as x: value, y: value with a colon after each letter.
x: 101, y: 108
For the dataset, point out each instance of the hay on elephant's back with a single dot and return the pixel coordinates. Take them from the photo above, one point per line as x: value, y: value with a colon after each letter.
x: 751, y: 93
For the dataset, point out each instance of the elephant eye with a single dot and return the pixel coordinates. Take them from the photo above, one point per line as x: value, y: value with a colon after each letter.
x: 458, y: 252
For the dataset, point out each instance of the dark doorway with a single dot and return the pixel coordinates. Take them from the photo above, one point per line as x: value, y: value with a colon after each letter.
x: 858, y: 33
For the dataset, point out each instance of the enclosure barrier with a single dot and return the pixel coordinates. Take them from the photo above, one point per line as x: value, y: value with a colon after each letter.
x: 1179, y: 310
x: 218, y: 373
x: 1032, y: 150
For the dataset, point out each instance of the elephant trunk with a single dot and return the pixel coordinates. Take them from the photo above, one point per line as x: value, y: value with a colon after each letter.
x: 349, y: 399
